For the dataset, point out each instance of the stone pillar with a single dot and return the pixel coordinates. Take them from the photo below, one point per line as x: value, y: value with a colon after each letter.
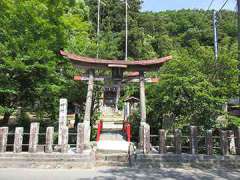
x: 18, y: 139
x: 224, y: 143
x: 3, y: 139
x: 126, y: 110
x: 80, y: 137
x: 33, y: 139
x: 62, y: 118
x: 64, y: 145
x: 118, y: 95
x: 49, y: 140
x: 162, y: 141
x: 238, y: 140
x: 193, y: 140
x: 209, y: 142
x: 144, y: 142
x: 87, y: 115
x: 142, y: 98
x: 232, y: 142
x: 177, y: 141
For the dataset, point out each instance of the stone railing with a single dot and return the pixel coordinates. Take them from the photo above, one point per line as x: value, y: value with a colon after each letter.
x: 33, y: 139
x: 225, y: 143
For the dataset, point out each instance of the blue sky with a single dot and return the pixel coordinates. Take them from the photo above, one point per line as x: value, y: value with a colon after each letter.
x: 162, y: 5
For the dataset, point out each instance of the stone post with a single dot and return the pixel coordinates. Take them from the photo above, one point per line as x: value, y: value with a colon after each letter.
x: 62, y: 118
x: 80, y: 137
x: 126, y: 110
x: 162, y: 141
x: 177, y: 141
x: 209, y: 142
x: 142, y: 98
x: 238, y: 140
x: 118, y: 95
x: 33, y: 139
x: 224, y: 142
x: 141, y: 137
x: 49, y: 140
x: 193, y: 140
x: 64, y: 145
x: 18, y: 139
x: 145, y: 138
x: 3, y: 139
x: 232, y: 142
x: 87, y: 115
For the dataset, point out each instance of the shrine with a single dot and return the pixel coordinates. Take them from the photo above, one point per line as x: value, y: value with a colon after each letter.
x: 122, y: 72
x: 114, y: 130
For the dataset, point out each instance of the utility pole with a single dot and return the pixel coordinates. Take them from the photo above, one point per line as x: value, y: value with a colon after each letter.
x: 126, y: 30
x: 215, y: 36
x: 238, y: 26
x: 98, y: 27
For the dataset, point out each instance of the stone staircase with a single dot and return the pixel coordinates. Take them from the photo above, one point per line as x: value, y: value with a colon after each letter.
x: 112, y: 138
x: 113, y: 159
x: 112, y: 149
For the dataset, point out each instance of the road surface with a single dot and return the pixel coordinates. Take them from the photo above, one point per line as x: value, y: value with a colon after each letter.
x: 119, y: 173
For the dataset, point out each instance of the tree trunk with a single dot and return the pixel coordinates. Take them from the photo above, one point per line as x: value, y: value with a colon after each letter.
x: 6, y: 118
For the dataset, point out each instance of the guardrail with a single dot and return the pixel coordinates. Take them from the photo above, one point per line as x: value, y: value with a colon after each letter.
x: 100, y: 127
x: 127, y: 130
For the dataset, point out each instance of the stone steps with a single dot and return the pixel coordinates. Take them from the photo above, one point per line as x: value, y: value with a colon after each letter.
x: 111, y: 164
x: 113, y: 145
x: 114, y: 159
x: 111, y: 136
x: 112, y: 126
x: 117, y: 120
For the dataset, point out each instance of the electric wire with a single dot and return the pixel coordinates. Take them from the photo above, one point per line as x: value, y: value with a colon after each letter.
x: 224, y: 4
x: 210, y: 5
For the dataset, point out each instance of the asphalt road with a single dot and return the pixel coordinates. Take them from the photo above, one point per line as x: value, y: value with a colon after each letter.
x: 119, y: 173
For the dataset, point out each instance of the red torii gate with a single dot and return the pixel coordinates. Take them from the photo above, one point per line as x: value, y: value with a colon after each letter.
x: 92, y: 64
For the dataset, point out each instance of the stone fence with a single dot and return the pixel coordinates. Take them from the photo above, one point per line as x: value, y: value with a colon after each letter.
x: 208, y: 142
x: 33, y: 141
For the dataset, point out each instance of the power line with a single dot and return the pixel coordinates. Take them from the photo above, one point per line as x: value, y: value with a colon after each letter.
x: 210, y: 5
x: 223, y: 6
x: 238, y: 28
x: 98, y: 26
x: 126, y: 30
x: 215, y: 35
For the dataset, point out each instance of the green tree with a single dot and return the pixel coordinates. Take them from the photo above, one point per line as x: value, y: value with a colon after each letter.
x: 32, y: 33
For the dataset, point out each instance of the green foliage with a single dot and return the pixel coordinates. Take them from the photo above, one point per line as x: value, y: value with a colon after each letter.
x: 192, y: 88
x: 32, y: 33
x: 235, y: 121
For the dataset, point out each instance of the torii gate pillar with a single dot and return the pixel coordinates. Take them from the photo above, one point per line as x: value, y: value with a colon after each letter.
x: 87, y: 115
x: 144, y: 131
x: 142, y: 98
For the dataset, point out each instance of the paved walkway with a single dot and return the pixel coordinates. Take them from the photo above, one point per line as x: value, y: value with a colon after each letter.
x: 119, y: 173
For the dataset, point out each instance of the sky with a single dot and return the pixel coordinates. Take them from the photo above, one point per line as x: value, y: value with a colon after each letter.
x: 162, y: 5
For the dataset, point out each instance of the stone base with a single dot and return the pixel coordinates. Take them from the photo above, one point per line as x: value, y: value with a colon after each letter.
x: 47, y: 161
x: 144, y: 137
x: 170, y: 160
x: 58, y: 148
x: 90, y: 160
